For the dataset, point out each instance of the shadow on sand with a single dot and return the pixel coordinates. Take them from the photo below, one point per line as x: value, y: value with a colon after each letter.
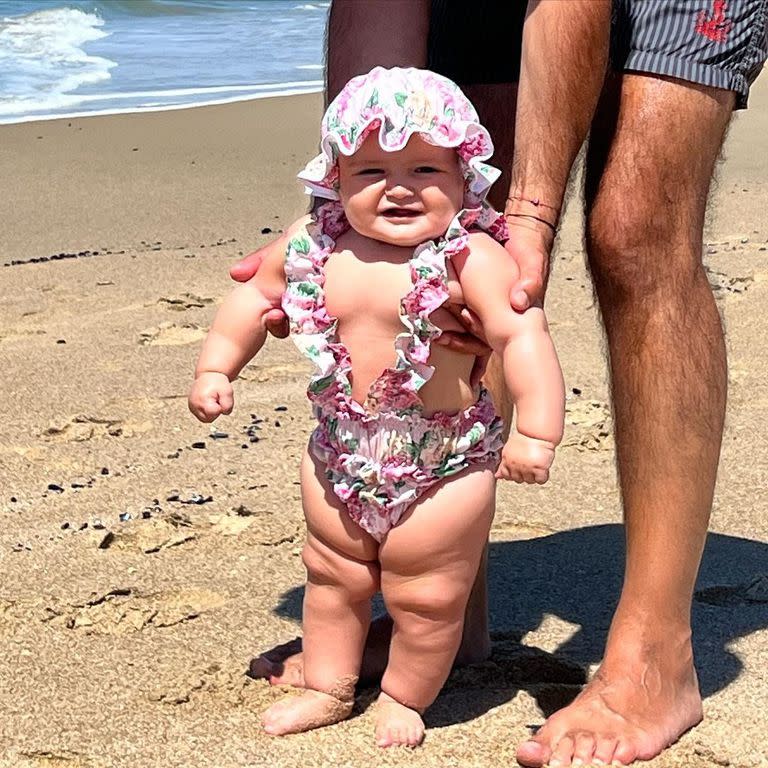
x: 576, y: 576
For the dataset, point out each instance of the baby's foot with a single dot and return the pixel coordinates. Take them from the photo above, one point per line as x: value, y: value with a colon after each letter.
x: 312, y: 709
x: 396, y: 724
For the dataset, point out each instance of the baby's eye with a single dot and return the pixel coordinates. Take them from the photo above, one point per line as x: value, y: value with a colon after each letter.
x: 370, y: 172
x: 427, y: 169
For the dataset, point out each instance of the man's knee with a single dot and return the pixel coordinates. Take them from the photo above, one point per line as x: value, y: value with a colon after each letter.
x: 326, y: 567
x: 637, y: 249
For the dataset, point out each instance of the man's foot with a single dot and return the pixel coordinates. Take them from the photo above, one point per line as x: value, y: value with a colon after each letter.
x: 632, y: 709
x: 284, y: 664
x: 281, y: 665
x: 396, y: 724
x: 312, y: 709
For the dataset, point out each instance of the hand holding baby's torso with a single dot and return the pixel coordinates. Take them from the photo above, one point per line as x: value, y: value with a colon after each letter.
x: 363, y: 290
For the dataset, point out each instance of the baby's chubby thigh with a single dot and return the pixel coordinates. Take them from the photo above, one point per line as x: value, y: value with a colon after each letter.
x: 327, y: 517
x: 342, y: 577
x: 428, y: 566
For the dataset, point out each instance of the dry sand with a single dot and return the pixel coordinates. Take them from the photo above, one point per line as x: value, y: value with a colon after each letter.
x: 126, y: 645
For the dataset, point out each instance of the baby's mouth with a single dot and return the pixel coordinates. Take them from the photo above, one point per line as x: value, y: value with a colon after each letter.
x: 400, y: 213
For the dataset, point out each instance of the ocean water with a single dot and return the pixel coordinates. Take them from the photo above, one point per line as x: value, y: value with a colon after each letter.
x: 73, y: 57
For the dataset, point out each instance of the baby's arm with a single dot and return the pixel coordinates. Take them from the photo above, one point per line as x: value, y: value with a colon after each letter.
x: 237, y: 334
x: 531, y: 369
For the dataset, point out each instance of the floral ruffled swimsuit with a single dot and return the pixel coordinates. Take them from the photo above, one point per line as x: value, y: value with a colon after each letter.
x: 380, y: 456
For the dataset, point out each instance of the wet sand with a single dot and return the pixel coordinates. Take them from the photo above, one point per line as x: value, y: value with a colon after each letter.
x: 126, y: 641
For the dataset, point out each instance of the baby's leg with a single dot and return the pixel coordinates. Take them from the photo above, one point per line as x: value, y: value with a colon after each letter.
x: 342, y: 577
x: 428, y: 565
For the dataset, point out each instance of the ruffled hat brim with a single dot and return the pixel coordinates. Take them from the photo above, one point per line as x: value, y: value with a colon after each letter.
x: 399, y: 103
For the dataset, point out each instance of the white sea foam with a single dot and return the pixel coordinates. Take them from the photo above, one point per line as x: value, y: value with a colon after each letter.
x: 42, y: 60
x: 311, y: 7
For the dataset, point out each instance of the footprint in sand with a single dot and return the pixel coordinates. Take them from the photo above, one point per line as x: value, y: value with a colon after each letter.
x: 750, y: 593
x: 21, y: 334
x: 171, y: 334
x: 262, y: 373
x: 83, y: 427
x: 588, y: 425
x: 723, y: 284
x: 214, y: 680
x: 151, y: 536
x: 123, y: 611
x: 58, y: 758
x: 184, y: 301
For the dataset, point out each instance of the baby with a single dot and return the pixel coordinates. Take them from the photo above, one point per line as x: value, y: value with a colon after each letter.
x: 399, y: 476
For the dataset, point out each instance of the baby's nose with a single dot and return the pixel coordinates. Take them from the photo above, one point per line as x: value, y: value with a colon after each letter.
x: 397, y: 188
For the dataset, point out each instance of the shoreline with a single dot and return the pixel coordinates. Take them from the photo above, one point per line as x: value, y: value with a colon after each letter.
x: 300, y: 90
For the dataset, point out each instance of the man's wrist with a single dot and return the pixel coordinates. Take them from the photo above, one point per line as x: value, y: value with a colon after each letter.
x: 534, y: 206
x: 544, y: 230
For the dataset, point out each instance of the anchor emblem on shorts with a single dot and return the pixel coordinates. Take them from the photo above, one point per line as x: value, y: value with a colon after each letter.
x: 716, y: 26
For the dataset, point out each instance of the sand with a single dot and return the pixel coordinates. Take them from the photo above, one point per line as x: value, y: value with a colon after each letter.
x: 125, y: 643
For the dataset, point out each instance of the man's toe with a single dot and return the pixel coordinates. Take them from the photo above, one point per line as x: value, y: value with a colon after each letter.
x: 533, y: 754
x: 604, y: 750
x: 562, y: 754
x: 584, y: 748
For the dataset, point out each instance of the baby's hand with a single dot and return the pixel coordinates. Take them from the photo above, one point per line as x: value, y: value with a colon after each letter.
x: 210, y: 396
x: 525, y: 459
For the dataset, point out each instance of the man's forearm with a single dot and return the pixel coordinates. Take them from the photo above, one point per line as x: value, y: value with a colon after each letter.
x: 363, y: 34
x: 565, y: 53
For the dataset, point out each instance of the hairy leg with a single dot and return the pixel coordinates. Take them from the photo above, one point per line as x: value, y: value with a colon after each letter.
x: 342, y: 577
x: 496, y: 105
x: 428, y: 565
x: 652, y: 154
x: 362, y: 35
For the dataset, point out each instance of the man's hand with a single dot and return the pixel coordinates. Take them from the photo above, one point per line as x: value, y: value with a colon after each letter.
x: 275, y: 320
x: 529, y: 244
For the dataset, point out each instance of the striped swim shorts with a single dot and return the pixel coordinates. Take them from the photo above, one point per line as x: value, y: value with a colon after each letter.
x: 717, y: 43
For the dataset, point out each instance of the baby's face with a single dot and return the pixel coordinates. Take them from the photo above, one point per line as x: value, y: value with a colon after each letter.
x: 404, y: 197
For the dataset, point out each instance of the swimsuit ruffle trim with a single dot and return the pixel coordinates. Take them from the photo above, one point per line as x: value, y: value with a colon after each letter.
x: 315, y: 332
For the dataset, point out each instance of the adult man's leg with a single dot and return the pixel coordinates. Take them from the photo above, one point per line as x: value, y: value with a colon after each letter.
x: 652, y: 153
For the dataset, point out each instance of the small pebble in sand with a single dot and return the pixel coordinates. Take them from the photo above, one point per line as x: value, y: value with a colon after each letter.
x: 124, y: 517
x: 197, y: 498
x: 13, y: 499
x: 56, y: 488
x: 98, y: 525
x: 198, y: 445
x: 61, y: 341
x: 266, y: 230
x: 218, y: 435
x: 104, y: 471
x: 281, y: 408
x: 64, y: 526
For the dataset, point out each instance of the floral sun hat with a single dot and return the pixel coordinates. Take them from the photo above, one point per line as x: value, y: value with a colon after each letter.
x: 399, y: 103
